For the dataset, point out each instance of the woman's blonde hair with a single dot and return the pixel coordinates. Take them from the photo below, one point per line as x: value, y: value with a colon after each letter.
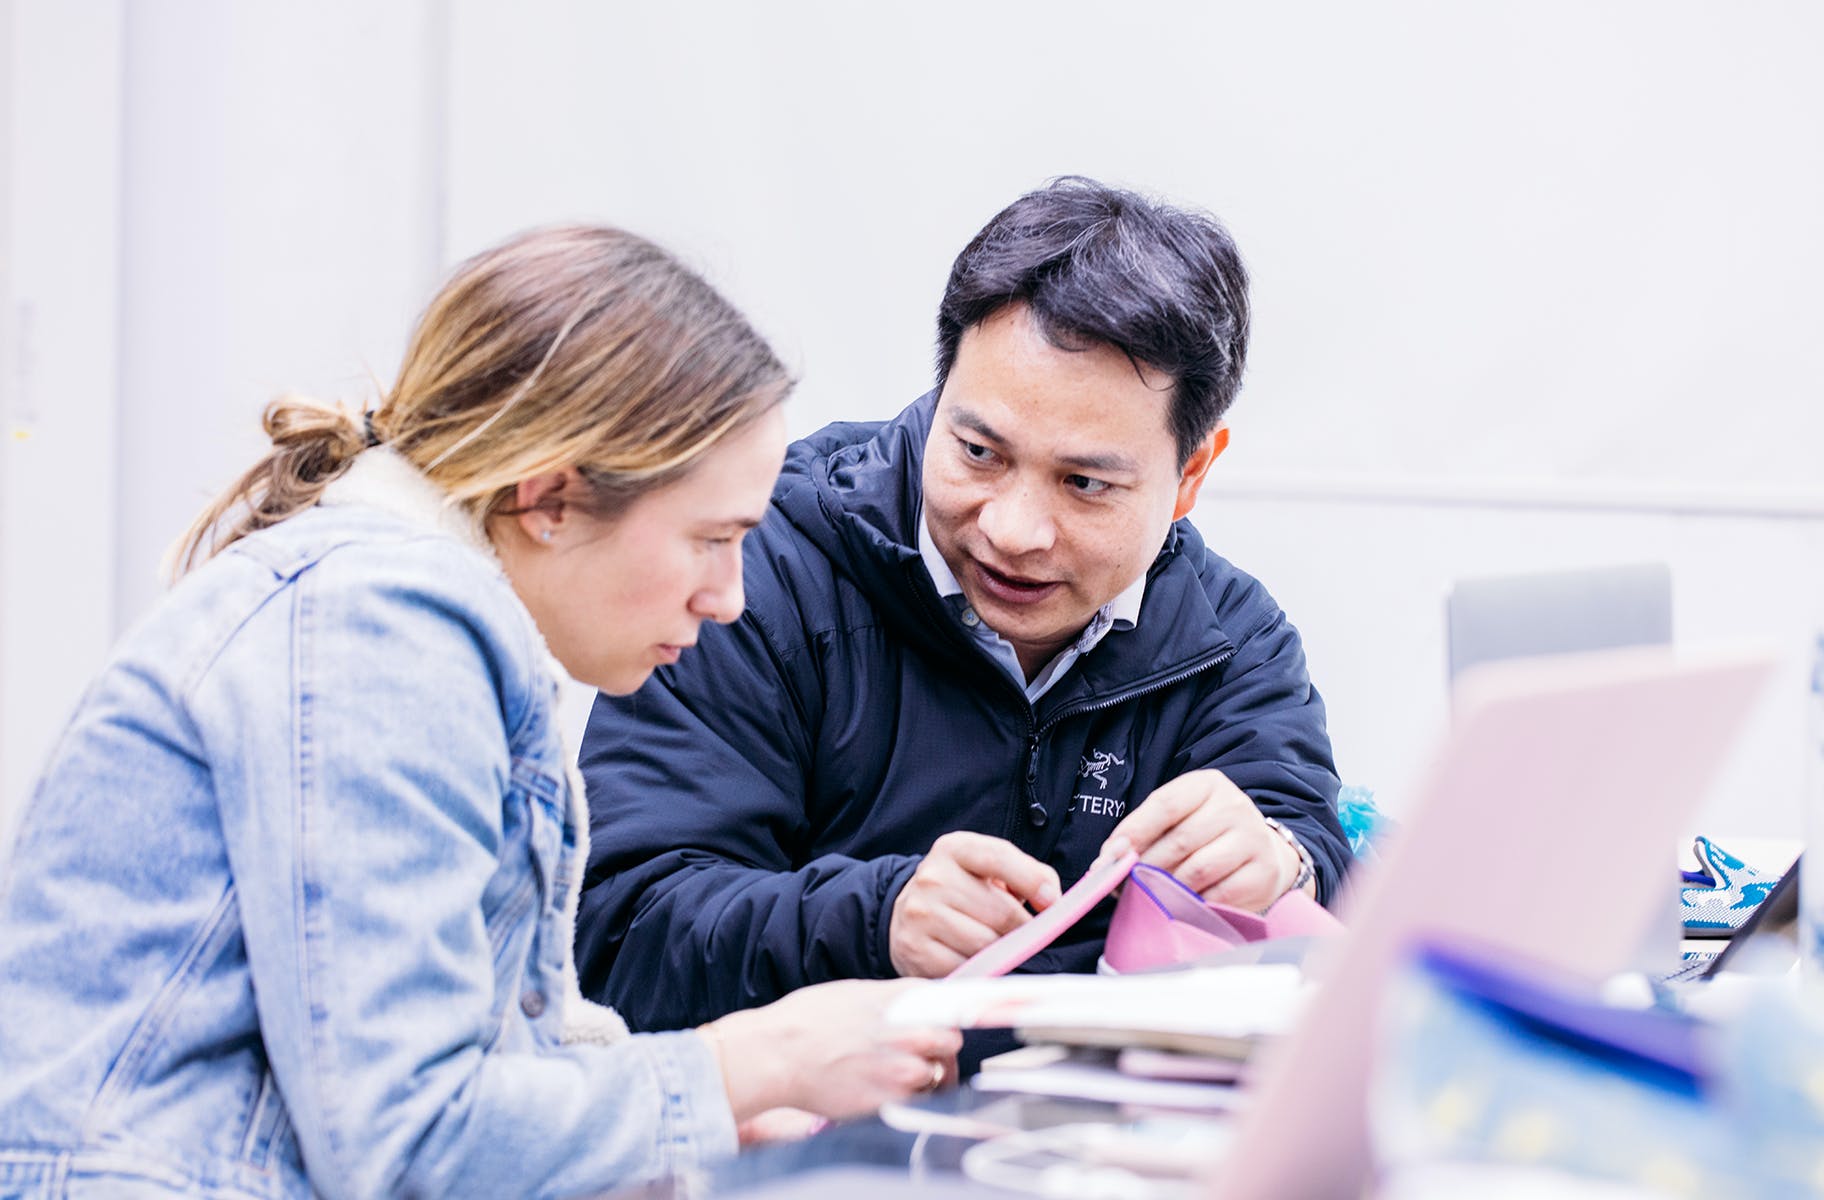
x: 580, y: 346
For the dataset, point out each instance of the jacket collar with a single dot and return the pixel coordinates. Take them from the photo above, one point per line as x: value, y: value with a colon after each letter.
x: 854, y: 490
x: 381, y: 478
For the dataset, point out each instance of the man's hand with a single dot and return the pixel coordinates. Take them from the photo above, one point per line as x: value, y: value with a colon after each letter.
x: 1208, y: 833
x: 969, y: 890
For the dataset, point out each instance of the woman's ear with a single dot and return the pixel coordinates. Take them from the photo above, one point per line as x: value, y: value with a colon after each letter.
x: 540, y: 506
x: 1190, y: 482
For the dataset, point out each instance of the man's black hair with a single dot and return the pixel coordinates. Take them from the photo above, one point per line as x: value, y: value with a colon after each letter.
x: 1093, y: 263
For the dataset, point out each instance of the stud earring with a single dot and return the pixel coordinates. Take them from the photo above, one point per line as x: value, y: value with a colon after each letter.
x: 545, y: 536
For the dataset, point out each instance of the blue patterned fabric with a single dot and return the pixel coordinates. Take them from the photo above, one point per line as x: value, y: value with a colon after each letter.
x: 1723, y: 894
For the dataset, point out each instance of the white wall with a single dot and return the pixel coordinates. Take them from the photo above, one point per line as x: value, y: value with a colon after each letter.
x: 210, y: 203
x: 1548, y: 241
x: 283, y: 172
x: 59, y: 268
x: 1534, y: 283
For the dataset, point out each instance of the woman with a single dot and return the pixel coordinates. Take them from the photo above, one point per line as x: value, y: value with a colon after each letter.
x: 290, y: 910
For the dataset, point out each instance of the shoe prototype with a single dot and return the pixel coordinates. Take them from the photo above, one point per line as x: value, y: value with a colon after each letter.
x: 1720, y: 897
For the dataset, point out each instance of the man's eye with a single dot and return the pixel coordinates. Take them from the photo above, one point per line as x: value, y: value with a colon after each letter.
x: 1086, y: 486
x: 977, y: 453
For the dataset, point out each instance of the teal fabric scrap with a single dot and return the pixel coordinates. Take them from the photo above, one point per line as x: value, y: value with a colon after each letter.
x: 1363, y: 824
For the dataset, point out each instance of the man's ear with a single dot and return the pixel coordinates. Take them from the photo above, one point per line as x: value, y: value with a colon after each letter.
x: 539, y: 505
x: 1191, y: 481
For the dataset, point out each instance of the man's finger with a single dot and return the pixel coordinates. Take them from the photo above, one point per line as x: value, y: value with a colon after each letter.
x: 1213, y: 864
x: 1183, y: 841
x: 1249, y: 886
x: 954, y: 932
x: 1156, y: 814
x: 1024, y: 876
x: 1116, y: 845
x: 987, y: 902
x: 950, y: 888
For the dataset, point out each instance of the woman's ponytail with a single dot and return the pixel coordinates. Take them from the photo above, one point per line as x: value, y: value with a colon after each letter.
x: 312, y: 443
x: 577, y: 346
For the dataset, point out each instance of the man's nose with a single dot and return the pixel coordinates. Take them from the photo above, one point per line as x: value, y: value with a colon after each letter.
x: 1018, y: 521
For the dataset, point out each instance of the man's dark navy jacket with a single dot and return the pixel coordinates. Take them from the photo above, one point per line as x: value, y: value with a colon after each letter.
x: 757, y: 807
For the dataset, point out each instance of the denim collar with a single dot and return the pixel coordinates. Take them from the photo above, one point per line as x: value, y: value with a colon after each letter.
x: 381, y: 478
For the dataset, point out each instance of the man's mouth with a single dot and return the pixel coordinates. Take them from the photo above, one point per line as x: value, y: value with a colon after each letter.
x: 1011, y: 589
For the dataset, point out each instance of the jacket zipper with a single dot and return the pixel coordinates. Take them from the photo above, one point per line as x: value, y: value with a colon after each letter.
x: 1035, y: 732
x: 1135, y: 694
x: 940, y: 620
x: 1036, y: 815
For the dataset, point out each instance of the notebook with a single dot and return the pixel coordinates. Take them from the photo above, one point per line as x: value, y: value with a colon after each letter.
x: 1581, y: 768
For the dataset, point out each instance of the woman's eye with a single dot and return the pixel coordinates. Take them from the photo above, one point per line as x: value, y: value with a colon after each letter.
x: 1086, y: 486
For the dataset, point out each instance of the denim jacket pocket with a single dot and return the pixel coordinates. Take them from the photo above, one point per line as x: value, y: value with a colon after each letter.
x: 268, y: 1126
x: 531, y: 891
x: 547, y: 832
x: 144, y: 1042
x: 527, y: 862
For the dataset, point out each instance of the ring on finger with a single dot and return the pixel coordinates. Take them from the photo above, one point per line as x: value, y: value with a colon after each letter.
x: 937, y: 1077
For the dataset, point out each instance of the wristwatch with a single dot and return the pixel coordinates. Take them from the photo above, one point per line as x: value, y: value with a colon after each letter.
x: 1307, y: 869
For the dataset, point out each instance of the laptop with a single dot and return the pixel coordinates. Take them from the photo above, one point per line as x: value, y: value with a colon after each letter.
x: 1582, y: 769
x: 1557, y: 612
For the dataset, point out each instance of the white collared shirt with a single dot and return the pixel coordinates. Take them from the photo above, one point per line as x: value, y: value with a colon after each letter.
x: 1120, y: 614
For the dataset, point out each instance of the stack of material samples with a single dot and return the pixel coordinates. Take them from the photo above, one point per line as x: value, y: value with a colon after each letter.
x: 1135, y: 1077
x: 1172, y: 1039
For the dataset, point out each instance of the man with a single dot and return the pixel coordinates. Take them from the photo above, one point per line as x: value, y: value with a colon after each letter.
x: 980, y: 643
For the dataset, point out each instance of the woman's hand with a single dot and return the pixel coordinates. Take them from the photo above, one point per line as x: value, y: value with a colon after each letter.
x: 779, y: 1125
x: 825, y: 1049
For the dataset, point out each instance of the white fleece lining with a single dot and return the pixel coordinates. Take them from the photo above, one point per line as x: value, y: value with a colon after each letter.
x: 380, y: 478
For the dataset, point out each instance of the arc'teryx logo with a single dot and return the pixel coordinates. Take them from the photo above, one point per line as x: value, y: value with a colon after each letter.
x: 1096, y: 767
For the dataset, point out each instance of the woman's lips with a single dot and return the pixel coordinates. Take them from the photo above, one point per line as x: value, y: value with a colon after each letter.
x: 1011, y: 589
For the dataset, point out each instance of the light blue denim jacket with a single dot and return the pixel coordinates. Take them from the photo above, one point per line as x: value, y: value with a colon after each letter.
x: 290, y: 910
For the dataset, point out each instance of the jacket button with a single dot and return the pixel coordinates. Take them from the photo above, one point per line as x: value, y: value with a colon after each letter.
x: 1036, y: 816
x: 532, y: 1004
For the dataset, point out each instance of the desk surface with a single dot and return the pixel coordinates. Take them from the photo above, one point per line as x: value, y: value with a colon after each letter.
x: 890, y: 1162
